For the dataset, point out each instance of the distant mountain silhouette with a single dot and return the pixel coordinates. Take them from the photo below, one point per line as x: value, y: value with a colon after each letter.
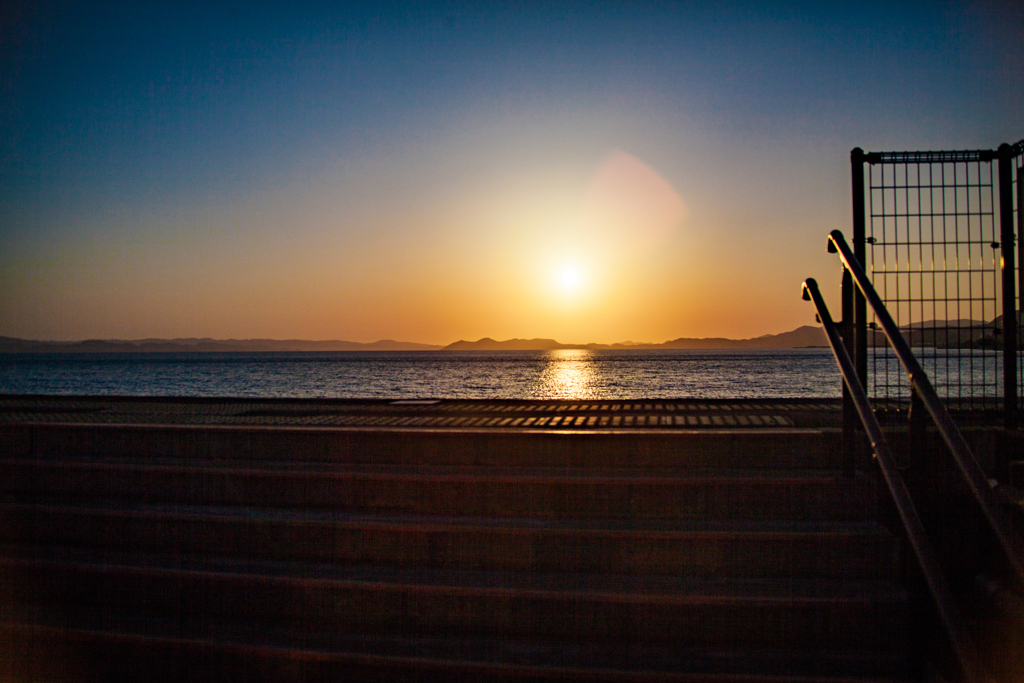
x: 953, y: 334
x: 12, y: 345
x: 939, y: 333
x: 800, y: 337
x: 488, y: 344
x: 804, y: 336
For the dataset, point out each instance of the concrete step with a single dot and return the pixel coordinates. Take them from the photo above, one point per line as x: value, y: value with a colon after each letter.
x: 304, y: 554
x: 744, y: 449
x: 576, y: 492
x: 686, y: 611
x: 696, y: 547
x: 155, y: 651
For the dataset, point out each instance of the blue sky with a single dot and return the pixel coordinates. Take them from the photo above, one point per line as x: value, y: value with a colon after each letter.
x: 415, y: 170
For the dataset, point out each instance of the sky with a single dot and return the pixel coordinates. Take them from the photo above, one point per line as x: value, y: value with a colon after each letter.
x: 429, y: 172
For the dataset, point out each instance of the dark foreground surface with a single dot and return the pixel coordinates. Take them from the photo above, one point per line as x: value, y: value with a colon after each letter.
x: 161, y: 539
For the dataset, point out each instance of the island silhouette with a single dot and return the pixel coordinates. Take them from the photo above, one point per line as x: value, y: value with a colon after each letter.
x: 801, y: 337
x: 937, y: 333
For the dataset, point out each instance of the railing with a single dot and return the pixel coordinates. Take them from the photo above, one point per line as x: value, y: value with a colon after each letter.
x: 963, y: 647
x: 924, y: 398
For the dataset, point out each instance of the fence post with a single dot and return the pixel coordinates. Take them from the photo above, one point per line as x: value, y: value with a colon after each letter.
x: 859, y: 320
x: 1008, y: 249
x: 1018, y: 149
x: 1020, y: 229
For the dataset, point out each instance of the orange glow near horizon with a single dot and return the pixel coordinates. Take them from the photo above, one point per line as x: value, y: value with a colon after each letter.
x: 605, y: 254
x: 594, y: 253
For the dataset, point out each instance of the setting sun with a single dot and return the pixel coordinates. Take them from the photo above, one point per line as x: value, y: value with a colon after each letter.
x: 570, y: 279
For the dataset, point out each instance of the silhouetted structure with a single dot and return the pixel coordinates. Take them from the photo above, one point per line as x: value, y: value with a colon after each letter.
x: 923, y: 272
x: 936, y: 232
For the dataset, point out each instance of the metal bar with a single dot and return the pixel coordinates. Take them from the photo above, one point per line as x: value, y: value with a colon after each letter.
x: 916, y: 271
x: 860, y: 323
x: 963, y: 648
x: 967, y: 155
x: 1009, y: 287
x: 965, y: 460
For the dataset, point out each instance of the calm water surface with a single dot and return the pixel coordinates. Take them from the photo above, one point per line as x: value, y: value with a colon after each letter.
x: 564, y: 374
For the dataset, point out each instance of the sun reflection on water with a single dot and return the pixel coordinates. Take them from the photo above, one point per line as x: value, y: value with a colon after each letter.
x: 567, y: 374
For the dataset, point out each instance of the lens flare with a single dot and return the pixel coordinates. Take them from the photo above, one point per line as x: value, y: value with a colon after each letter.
x: 630, y: 205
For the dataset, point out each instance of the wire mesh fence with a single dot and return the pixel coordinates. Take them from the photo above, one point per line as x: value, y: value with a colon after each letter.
x: 932, y: 235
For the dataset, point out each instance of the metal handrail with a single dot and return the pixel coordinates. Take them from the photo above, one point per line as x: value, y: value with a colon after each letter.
x: 963, y: 648
x: 922, y: 387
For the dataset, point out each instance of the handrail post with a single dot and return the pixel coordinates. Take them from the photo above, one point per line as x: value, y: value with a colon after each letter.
x: 1008, y: 250
x: 918, y: 420
x: 850, y: 421
x: 919, y: 473
x: 859, y: 318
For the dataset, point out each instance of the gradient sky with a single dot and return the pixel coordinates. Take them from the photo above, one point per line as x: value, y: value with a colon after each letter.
x: 590, y: 172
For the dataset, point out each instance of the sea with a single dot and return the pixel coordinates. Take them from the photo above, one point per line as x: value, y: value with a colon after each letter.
x: 567, y: 374
x: 560, y: 374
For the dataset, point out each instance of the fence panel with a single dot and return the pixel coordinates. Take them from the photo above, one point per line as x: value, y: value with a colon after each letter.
x: 932, y: 249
